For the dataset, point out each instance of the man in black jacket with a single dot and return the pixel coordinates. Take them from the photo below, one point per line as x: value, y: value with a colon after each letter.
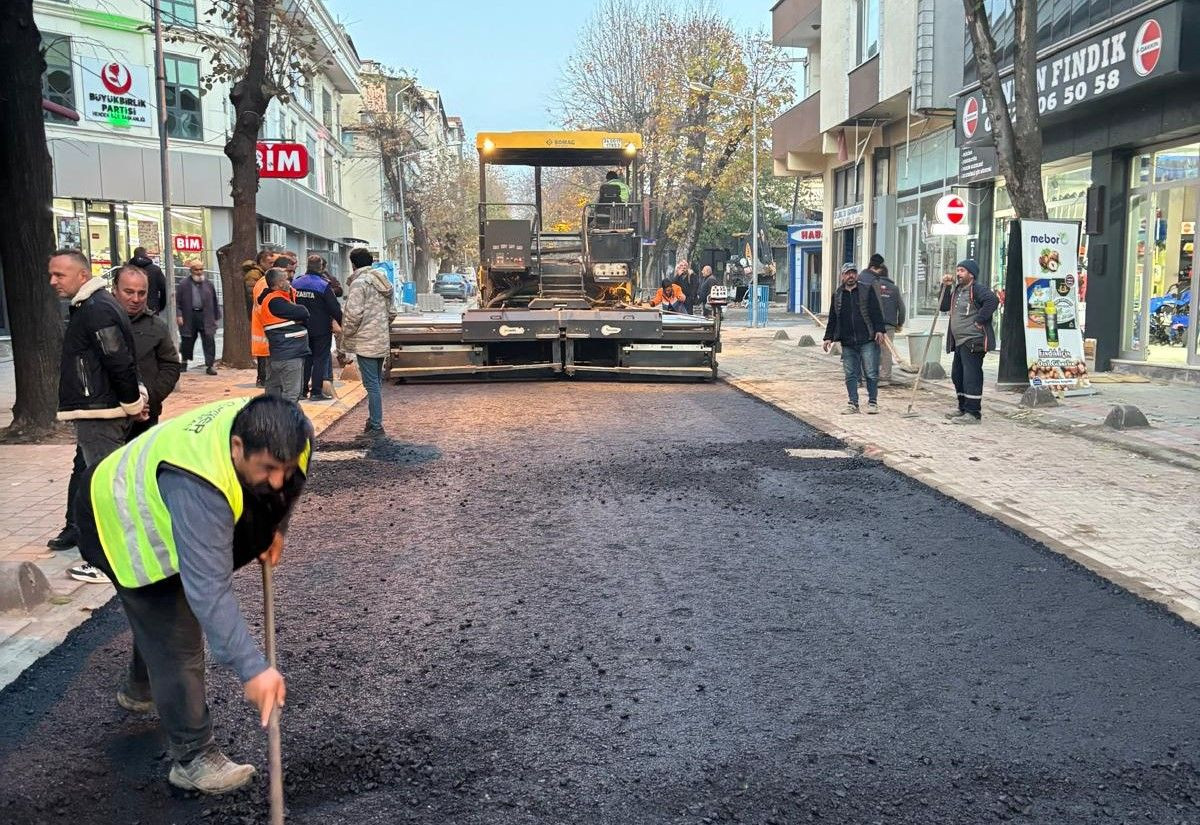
x: 156, y: 294
x: 197, y: 311
x: 970, y: 337
x: 157, y: 358
x: 856, y: 322
x: 98, y: 386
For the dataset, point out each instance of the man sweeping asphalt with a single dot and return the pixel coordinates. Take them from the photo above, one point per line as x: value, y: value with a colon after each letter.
x: 169, y: 517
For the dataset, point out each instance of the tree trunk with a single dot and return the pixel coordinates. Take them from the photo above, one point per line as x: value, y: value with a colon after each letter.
x: 1015, y: 130
x: 27, y: 234
x: 421, y: 244
x: 250, y: 99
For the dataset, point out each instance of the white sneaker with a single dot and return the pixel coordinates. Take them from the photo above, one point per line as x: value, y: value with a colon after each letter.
x: 85, y: 572
x: 850, y: 409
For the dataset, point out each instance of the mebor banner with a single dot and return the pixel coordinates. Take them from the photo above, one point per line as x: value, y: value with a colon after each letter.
x: 1050, y: 300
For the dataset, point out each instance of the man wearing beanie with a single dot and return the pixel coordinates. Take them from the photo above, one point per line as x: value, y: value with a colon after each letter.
x: 868, y: 275
x: 970, y: 337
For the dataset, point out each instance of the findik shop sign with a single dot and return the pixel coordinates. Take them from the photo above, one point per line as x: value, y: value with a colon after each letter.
x: 1142, y: 49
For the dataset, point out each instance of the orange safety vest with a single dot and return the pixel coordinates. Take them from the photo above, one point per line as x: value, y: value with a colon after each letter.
x: 258, y: 336
x: 272, y: 323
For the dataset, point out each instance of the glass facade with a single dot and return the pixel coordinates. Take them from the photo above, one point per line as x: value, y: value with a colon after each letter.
x: 1057, y: 20
x: 58, y: 85
x: 926, y: 169
x: 1158, y: 299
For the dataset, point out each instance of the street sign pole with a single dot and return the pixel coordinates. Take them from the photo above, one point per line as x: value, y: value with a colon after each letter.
x: 754, y: 206
x: 160, y: 92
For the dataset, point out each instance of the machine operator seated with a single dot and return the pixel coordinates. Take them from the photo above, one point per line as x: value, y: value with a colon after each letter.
x: 669, y: 297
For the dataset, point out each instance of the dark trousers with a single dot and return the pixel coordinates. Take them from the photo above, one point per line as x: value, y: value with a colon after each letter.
x: 139, y: 427
x: 262, y: 362
x: 168, y: 647
x: 187, y: 343
x: 967, y: 375
x: 94, y: 439
x: 317, y: 367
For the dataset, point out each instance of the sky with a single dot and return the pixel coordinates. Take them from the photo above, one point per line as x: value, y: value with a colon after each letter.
x: 496, y: 62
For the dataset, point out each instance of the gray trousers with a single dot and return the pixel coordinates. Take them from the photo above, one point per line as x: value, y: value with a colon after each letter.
x: 885, y: 357
x: 168, y: 648
x: 94, y: 439
x: 285, y: 377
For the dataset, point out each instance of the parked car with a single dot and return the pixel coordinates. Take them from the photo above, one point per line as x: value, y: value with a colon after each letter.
x: 451, y: 285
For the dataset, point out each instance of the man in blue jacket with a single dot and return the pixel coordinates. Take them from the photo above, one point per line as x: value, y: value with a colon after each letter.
x: 970, y: 337
x: 315, y: 293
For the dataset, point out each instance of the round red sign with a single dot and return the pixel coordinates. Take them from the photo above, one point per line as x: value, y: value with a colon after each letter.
x: 970, y: 117
x: 116, y: 78
x: 1147, y: 47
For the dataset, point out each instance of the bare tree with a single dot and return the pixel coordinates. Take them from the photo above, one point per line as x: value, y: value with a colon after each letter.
x: 27, y: 233
x: 271, y: 49
x: 1015, y: 127
x: 683, y: 79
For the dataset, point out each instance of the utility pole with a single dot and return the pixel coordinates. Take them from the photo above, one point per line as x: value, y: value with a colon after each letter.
x: 754, y: 206
x: 160, y: 91
x: 403, y: 224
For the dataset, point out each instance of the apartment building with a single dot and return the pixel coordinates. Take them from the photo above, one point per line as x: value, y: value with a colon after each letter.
x: 875, y: 123
x: 108, y: 198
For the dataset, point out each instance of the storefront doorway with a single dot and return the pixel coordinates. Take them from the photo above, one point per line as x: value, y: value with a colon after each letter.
x: 108, y: 236
x: 1160, y: 305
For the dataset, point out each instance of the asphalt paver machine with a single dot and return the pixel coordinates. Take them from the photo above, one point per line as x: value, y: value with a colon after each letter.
x: 559, y: 302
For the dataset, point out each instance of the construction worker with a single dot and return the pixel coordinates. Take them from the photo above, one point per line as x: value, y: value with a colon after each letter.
x: 614, y: 190
x: 284, y: 322
x: 670, y: 296
x: 212, y: 491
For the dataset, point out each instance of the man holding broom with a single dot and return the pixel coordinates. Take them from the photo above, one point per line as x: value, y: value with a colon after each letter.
x: 169, y: 517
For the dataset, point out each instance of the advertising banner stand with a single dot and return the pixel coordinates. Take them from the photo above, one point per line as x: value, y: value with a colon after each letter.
x: 1049, y: 305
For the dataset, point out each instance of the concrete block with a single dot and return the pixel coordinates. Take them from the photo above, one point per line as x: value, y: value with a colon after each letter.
x: 781, y: 335
x: 1126, y: 417
x: 807, y: 341
x: 932, y: 371
x: 23, y: 586
x: 1038, y: 397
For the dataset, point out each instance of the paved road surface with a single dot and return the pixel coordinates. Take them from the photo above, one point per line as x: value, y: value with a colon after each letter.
x: 645, y: 632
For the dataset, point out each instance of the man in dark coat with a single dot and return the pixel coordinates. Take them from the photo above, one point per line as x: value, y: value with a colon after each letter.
x: 156, y: 297
x: 970, y: 336
x: 856, y: 322
x: 197, y: 313
x: 315, y: 293
x: 157, y: 358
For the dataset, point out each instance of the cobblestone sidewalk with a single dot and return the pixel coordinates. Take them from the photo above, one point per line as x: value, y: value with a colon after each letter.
x: 33, y: 491
x: 1112, y: 504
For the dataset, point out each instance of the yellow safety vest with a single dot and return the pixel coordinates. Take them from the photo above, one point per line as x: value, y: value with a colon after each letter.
x: 132, y: 519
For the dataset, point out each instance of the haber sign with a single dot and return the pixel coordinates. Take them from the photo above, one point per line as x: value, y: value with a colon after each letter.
x: 116, y: 93
x: 1116, y: 60
x: 282, y: 160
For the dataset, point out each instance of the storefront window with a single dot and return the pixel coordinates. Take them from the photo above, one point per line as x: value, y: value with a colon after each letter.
x: 58, y: 84
x: 926, y: 169
x: 183, y: 98
x: 1164, y: 207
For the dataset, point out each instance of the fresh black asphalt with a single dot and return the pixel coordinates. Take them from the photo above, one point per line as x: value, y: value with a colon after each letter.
x: 572, y: 602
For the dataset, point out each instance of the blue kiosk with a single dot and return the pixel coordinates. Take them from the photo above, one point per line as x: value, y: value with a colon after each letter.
x: 804, y: 267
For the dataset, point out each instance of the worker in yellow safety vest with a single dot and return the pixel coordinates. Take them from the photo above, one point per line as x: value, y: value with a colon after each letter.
x: 169, y: 517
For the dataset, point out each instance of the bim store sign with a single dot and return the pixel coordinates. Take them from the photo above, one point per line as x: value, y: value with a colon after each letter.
x: 1118, y: 59
x: 116, y: 93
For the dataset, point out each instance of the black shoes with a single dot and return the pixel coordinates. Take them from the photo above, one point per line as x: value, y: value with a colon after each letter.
x: 320, y: 397
x: 211, y: 370
x: 65, y: 540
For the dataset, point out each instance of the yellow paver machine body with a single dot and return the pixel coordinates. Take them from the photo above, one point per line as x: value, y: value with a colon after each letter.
x: 559, y: 301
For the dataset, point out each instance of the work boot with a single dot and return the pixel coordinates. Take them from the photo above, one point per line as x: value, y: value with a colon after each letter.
x: 212, y: 772
x: 955, y: 414
x: 127, y: 698
x: 211, y: 370
x: 965, y: 418
x: 65, y: 540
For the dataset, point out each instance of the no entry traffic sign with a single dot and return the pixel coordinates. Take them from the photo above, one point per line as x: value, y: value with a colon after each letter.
x: 951, y: 214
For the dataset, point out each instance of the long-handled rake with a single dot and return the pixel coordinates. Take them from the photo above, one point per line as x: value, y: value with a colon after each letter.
x: 274, y: 743
x: 924, y: 360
